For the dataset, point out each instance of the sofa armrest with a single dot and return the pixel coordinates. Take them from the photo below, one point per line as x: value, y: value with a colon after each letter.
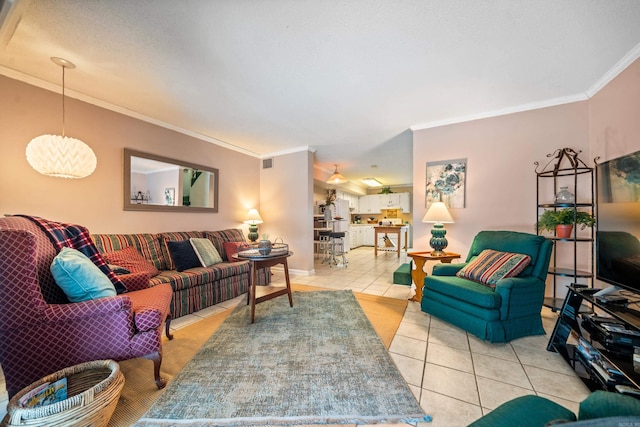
x: 601, y: 404
x: 524, y: 294
x: 447, y: 269
x: 57, y: 313
x: 525, y: 411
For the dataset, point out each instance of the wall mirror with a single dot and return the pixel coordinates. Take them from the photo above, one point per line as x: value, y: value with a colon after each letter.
x: 156, y: 183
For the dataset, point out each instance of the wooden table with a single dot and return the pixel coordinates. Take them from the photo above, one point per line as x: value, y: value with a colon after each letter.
x: 393, y: 229
x: 418, y: 275
x: 257, y: 263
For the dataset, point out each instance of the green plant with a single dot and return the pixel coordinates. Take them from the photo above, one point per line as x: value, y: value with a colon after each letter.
x: 550, y: 218
x: 385, y: 190
x: 330, y: 197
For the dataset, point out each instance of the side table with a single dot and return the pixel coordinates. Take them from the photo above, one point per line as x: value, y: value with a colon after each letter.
x: 258, y: 262
x: 418, y: 275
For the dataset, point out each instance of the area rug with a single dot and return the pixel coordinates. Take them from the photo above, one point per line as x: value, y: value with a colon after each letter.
x: 316, y: 363
x: 140, y: 392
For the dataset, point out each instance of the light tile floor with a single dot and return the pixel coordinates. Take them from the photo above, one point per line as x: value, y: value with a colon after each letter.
x: 455, y: 376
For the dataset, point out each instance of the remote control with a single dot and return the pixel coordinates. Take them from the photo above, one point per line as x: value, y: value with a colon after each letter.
x: 625, y: 389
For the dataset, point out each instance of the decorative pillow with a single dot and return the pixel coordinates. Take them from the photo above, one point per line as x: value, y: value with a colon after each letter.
x: 79, y: 278
x: 491, y: 266
x: 130, y: 259
x: 183, y: 255
x: 231, y: 248
x: 205, y: 251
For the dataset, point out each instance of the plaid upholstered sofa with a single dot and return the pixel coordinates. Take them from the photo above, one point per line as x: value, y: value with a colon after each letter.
x: 195, y: 288
x: 41, y: 331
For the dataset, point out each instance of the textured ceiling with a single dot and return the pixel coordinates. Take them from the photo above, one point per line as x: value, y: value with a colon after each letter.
x: 348, y: 78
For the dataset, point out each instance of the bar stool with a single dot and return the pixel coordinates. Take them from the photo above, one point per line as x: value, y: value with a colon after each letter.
x: 337, y: 248
x: 324, y: 245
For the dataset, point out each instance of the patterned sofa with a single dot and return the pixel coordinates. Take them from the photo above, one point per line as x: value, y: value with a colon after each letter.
x: 195, y: 288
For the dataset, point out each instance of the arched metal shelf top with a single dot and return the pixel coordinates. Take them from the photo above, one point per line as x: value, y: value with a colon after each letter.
x: 563, y: 162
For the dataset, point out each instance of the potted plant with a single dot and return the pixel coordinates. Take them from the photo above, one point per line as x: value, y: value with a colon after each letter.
x: 562, y: 221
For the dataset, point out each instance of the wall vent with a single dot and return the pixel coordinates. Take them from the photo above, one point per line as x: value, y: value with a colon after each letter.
x: 267, y: 163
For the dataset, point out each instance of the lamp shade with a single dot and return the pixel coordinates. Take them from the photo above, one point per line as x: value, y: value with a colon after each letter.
x: 253, y: 217
x: 438, y: 213
x: 61, y: 156
x: 336, y: 178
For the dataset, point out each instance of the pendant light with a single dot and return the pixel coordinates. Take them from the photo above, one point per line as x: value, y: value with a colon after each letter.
x: 336, y: 178
x: 59, y: 155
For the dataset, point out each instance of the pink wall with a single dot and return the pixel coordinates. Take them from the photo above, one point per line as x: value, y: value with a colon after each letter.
x: 501, y: 181
x: 614, y: 128
x: 96, y: 201
x: 501, y: 178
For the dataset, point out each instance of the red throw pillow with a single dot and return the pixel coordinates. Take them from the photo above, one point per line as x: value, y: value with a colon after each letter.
x: 231, y: 248
x: 132, y: 260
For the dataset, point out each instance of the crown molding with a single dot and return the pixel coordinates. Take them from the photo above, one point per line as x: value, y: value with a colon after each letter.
x: 25, y: 78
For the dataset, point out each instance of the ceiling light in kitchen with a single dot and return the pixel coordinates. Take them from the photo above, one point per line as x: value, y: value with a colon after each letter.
x: 372, y: 182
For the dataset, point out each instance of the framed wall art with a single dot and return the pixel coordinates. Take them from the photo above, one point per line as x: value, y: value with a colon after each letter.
x: 446, y: 183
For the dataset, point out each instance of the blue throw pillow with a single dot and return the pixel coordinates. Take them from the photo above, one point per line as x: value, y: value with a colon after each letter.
x: 183, y: 255
x: 79, y: 278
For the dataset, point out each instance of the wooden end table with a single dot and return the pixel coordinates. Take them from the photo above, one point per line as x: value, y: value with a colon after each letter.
x: 418, y: 275
x: 258, y: 262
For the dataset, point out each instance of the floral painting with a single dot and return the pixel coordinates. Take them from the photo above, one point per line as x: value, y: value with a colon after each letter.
x: 622, y: 179
x: 446, y: 183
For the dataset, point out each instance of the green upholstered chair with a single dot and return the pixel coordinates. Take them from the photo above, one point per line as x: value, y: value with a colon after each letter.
x: 600, y: 408
x: 510, y: 310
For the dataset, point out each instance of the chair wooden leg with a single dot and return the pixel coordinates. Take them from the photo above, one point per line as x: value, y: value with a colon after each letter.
x: 167, y: 325
x: 157, y: 361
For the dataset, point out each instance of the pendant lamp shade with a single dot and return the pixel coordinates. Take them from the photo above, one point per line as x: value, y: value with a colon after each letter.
x: 336, y: 178
x: 59, y: 155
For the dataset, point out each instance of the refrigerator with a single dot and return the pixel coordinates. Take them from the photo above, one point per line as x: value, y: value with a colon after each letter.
x: 340, y: 208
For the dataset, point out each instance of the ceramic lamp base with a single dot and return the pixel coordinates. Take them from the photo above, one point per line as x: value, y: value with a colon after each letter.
x: 253, y: 233
x: 438, y: 242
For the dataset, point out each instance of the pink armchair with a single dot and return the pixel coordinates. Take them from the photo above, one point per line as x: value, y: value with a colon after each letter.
x: 41, y: 332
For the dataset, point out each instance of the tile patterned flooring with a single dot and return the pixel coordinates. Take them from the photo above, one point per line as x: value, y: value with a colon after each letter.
x: 455, y: 376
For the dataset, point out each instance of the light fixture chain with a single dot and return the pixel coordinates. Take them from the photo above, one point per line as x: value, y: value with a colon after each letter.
x: 63, y: 67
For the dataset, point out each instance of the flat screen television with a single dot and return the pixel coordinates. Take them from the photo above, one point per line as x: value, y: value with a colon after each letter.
x: 618, y: 223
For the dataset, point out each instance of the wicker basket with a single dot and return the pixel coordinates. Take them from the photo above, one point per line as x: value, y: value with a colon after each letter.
x: 93, y: 389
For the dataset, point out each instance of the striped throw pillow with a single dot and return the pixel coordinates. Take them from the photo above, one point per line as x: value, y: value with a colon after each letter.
x: 491, y: 266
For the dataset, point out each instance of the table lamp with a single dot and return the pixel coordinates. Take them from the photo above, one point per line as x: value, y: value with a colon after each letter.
x: 253, y: 219
x: 438, y: 214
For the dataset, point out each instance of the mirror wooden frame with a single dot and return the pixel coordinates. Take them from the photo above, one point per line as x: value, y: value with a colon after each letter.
x: 128, y: 206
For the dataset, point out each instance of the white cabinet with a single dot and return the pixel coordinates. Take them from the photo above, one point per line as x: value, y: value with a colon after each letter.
x: 396, y: 200
x: 391, y: 200
x: 405, y: 202
x: 357, y: 235
x: 353, y: 199
x: 368, y: 235
x: 369, y: 204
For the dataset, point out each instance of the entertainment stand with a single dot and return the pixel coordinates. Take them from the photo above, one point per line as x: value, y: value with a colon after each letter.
x: 601, y: 349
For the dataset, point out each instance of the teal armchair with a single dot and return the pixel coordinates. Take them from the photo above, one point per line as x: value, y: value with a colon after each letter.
x: 510, y: 310
x: 599, y: 409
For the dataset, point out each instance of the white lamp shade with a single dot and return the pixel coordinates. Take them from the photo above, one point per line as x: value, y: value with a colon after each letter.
x: 438, y: 213
x: 336, y: 178
x: 253, y: 217
x: 61, y: 156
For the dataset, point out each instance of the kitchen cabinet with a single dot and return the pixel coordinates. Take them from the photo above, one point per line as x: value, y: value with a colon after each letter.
x: 369, y: 204
x: 368, y: 235
x: 395, y: 201
x: 353, y: 199
x: 357, y: 235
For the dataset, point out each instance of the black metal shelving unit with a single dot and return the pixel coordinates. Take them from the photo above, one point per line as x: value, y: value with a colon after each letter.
x: 565, y: 167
